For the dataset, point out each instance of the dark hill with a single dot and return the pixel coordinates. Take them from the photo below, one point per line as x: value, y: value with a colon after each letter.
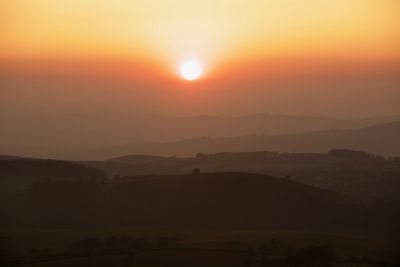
x: 380, y: 139
x: 201, y: 201
x: 357, y: 173
x: 46, y: 168
x: 139, y: 159
x: 18, y: 173
x: 79, y: 136
x: 9, y: 157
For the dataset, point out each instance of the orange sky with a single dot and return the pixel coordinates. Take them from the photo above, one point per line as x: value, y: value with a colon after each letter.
x: 238, y: 41
x: 213, y: 31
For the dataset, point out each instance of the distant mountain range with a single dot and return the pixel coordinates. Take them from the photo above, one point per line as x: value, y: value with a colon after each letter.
x: 382, y: 139
x: 47, y: 136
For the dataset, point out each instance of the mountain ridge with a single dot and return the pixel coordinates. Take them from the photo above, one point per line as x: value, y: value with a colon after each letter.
x: 379, y: 139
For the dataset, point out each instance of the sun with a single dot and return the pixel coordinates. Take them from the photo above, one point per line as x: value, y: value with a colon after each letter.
x: 191, y: 70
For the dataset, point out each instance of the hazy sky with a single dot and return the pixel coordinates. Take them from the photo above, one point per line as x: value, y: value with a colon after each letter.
x: 316, y: 57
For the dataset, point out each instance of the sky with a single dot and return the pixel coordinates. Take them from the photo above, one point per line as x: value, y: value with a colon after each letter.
x: 312, y: 57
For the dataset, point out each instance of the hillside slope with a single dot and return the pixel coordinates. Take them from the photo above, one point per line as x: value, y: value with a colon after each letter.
x: 382, y: 139
x: 18, y: 173
x: 78, y: 136
x: 201, y: 201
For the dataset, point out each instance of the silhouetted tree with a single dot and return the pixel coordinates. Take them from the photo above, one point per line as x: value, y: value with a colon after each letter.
x: 125, y: 241
x: 111, y: 242
x: 311, y: 256
x: 88, y: 244
x: 46, y: 252
x: 141, y: 243
x: 4, y: 255
x: 33, y: 252
x: 164, y: 242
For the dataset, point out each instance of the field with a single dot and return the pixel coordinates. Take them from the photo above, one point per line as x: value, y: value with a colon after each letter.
x: 190, y: 249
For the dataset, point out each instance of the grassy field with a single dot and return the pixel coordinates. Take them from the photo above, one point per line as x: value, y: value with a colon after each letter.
x: 153, y: 258
x: 344, y: 245
x: 191, y: 249
x: 100, y: 261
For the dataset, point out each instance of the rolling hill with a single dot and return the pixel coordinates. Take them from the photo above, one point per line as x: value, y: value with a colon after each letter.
x: 382, y: 139
x: 19, y: 173
x: 215, y: 200
x: 77, y: 136
x: 355, y: 173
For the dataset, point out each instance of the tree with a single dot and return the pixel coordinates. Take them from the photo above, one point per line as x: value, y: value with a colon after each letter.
x: 311, y: 256
x: 126, y: 241
x: 4, y: 255
x: 196, y: 171
x: 164, y: 242
x: 141, y: 243
x: 88, y: 244
x: 111, y: 242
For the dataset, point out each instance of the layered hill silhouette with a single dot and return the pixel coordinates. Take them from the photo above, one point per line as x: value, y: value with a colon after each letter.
x: 382, y: 139
x: 71, y: 136
x: 355, y: 173
x: 200, y: 201
x: 18, y: 173
x: 64, y: 194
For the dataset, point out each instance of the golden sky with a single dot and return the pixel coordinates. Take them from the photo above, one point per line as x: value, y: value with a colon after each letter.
x: 321, y: 42
x: 212, y: 31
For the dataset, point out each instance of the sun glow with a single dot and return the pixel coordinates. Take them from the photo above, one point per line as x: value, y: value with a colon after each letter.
x: 191, y: 70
